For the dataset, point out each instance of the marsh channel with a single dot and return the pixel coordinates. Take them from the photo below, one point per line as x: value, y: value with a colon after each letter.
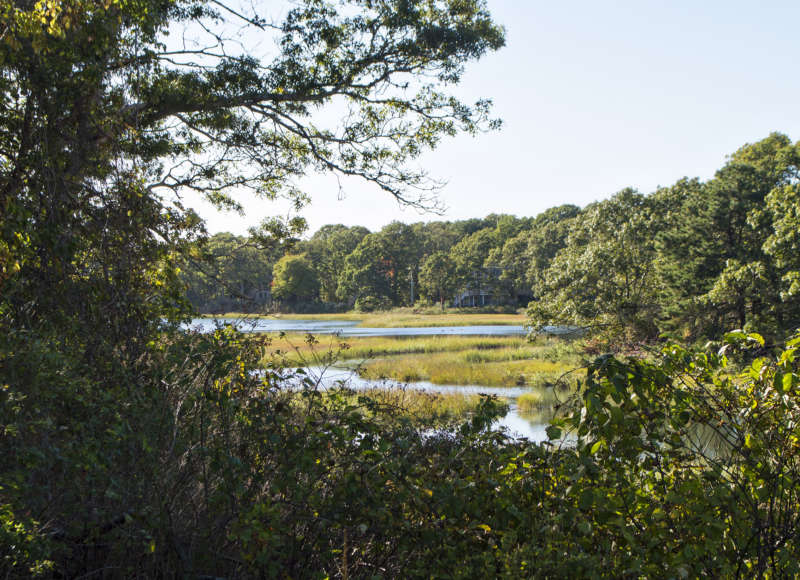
x: 531, y: 426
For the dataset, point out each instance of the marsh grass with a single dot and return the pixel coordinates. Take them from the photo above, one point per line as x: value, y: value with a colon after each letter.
x: 542, y: 399
x: 297, y: 347
x: 422, y: 408
x: 506, y: 363
x: 450, y: 369
x: 425, y: 407
x: 489, y: 348
x: 455, y: 360
x: 404, y: 318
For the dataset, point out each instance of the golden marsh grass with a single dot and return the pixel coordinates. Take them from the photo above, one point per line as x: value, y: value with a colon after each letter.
x: 425, y: 406
x: 404, y: 318
x: 452, y: 369
x: 456, y: 360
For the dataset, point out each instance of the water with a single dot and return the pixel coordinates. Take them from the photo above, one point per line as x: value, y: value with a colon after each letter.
x: 531, y: 426
x: 348, y: 327
x: 518, y: 424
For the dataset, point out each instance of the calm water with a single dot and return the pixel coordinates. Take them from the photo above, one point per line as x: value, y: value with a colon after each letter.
x: 347, y: 327
x: 521, y: 425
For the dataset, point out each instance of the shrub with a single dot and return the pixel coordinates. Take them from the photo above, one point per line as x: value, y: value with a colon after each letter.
x: 372, y: 303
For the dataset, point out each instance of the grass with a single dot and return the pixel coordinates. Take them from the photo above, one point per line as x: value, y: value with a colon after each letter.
x: 476, y: 349
x: 486, y: 361
x: 403, y: 317
x: 453, y: 369
x: 456, y: 360
x: 543, y: 398
x: 426, y: 407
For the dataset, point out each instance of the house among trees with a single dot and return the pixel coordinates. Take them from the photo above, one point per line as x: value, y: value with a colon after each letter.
x: 473, y: 297
x: 481, y: 291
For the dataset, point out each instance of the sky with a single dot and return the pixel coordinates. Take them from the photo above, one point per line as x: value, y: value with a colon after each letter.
x: 594, y: 97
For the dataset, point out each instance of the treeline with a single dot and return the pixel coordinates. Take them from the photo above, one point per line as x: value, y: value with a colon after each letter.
x: 343, y: 267
x: 690, y: 260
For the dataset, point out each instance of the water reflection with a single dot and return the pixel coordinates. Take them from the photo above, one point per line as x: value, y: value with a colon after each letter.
x: 531, y: 425
x: 348, y: 327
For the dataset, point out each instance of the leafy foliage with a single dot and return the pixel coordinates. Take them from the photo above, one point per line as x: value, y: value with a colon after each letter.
x: 125, y: 444
x: 294, y: 279
x: 688, y: 468
x: 603, y: 276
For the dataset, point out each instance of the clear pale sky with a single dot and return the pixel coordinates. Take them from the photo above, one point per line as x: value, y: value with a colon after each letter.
x: 595, y: 96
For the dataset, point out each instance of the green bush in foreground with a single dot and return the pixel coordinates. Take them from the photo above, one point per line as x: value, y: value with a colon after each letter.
x: 689, y: 469
x: 675, y: 468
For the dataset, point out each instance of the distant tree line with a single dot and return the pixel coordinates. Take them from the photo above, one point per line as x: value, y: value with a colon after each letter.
x: 690, y: 260
x: 342, y: 267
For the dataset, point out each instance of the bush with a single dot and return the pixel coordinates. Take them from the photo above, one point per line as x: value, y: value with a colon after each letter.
x: 678, y: 467
x: 372, y: 303
x: 687, y: 468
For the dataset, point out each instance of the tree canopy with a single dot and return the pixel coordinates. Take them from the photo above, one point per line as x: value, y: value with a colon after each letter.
x: 116, y: 427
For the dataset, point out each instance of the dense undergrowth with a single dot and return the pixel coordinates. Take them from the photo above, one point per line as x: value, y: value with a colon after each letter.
x: 680, y: 468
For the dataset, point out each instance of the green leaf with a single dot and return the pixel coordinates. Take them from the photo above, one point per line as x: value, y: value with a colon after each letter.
x: 553, y: 432
x: 734, y: 337
x: 586, y: 499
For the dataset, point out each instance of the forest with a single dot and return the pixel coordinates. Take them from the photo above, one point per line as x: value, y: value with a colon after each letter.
x: 133, y: 448
x: 689, y: 261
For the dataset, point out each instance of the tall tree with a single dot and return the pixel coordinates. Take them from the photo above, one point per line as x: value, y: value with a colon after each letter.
x: 228, y: 273
x: 108, y: 120
x: 470, y: 260
x: 327, y: 250
x: 603, y: 277
x: 383, y: 265
x: 714, y: 252
x: 294, y: 280
x: 436, y: 277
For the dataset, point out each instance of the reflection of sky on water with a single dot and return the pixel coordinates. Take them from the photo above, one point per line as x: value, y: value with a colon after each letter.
x: 523, y: 426
x: 531, y: 426
x: 347, y: 327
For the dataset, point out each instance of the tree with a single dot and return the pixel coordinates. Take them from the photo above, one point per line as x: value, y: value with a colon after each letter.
x: 227, y: 273
x: 469, y: 257
x: 107, y: 122
x: 436, y: 236
x: 718, y: 244
x: 382, y: 265
x: 603, y: 277
x: 327, y: 250
x: 436, y: 277
x: 126, y: 120
x: 294, y: 280
x: 524, y: 258
x: 783, y: 243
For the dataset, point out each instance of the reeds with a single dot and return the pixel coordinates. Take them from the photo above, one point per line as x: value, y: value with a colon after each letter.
x: 455, y: 360
x: 497, y: 363
x: 297, y: 347
x: 403, y: 318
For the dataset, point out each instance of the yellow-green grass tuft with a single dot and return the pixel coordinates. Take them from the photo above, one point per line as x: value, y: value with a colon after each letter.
x: 448, y: 369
